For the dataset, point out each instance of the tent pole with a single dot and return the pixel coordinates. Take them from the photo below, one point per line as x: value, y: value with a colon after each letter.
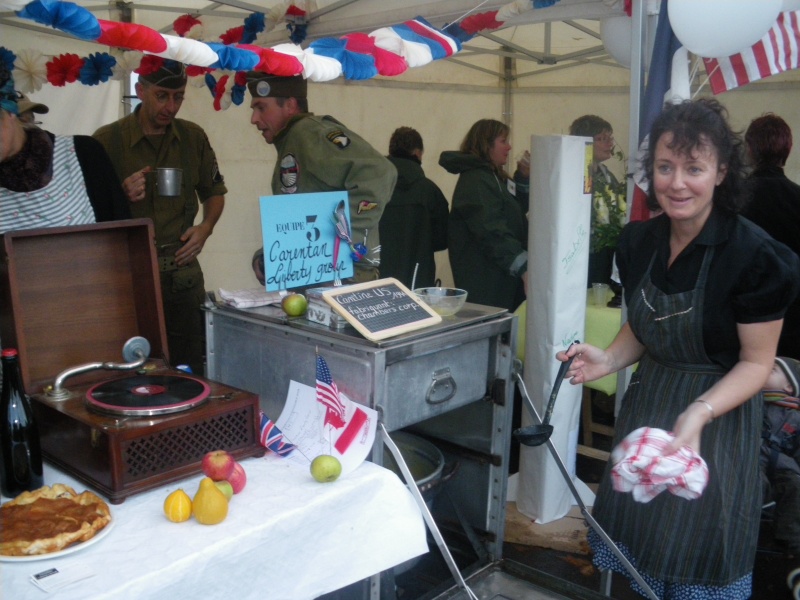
x: 638, y: 50
x: 508, y: 115
x: 508, y: 77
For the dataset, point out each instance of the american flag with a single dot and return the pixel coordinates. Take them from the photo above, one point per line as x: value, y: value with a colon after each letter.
x: 776, y: 52
x: 328, y: 395
x: 272, y: 438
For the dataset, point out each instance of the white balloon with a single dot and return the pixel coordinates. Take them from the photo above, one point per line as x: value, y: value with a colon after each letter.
x: 616, y: 34
x: 787, y: 5
x: 720, y: 28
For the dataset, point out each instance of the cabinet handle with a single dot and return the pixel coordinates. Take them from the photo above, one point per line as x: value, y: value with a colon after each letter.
x: 442, y: 388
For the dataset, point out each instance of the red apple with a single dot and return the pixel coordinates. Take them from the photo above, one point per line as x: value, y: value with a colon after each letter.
x: 218, y: 465
x: 238, y: 478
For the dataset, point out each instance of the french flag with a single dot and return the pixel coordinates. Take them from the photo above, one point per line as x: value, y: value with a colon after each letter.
x: 659, y: 84
x: 776, y: 52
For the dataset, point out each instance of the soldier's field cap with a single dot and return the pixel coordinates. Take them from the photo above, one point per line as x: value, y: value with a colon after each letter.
x: 170, y: 74
x: 264, y: 85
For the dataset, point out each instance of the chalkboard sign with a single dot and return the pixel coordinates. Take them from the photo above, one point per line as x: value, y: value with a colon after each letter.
x: 380, y: 309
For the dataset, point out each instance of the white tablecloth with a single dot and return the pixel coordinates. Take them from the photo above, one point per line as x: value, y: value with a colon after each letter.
x: 286, y: 537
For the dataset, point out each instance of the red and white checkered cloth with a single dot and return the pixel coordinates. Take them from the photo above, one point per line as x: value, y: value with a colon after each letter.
x: 640, y: 468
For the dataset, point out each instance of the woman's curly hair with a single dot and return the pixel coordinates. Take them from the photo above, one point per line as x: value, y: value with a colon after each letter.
x: 695, y: 124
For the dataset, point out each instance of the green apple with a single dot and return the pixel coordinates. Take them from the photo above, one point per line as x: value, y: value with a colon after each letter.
x: 326, y: 468
x: 226, y: 488
x: 294, y: 304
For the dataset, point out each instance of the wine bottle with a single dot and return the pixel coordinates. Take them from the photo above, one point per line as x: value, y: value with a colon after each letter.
x: 20, y: 452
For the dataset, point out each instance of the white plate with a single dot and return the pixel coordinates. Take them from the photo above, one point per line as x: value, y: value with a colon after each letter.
x: 74, y: 548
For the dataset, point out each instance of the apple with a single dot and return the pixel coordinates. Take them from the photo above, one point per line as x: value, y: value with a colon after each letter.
x: 218, y: 465
x: 326, y: 468
x: 294, y: 304
x: 225, y: 487
x: 238, y: 478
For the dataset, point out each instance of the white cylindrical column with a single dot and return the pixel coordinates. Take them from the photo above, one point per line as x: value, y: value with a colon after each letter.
x: 558, y: 262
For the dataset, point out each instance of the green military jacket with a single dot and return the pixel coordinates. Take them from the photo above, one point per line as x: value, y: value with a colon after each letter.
x: 184, y: 146
x: 319, y: 154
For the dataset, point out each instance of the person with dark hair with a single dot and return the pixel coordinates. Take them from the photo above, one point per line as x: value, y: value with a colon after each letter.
x: 152, y: 137
x: 774, y: 203
x: 320, y: 154
x: 414, y: 223
x: 706, y: 292
x: 488, y: 226
x: 51, y: 180
x: 608, y: 199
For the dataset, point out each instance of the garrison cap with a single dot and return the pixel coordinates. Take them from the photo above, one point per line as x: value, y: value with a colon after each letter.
x: 264, y: 85
x: 169, y: 74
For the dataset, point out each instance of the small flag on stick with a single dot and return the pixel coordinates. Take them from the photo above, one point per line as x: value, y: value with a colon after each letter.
x: 328, y: 395
x: 272, y: 438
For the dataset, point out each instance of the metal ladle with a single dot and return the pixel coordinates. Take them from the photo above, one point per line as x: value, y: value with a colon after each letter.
x: 627, y: 565
x: 536, y: 435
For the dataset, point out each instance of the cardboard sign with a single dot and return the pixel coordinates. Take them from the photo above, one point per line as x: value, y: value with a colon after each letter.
x: 380, y: 309
x: 300, y: 240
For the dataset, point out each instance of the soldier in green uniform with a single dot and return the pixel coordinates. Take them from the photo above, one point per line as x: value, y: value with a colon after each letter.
x: 319, y: 154
x: 151, y: 138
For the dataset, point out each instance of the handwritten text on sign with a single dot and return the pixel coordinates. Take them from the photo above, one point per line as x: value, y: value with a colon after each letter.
x: 300, y: 238
x: 382, y: 308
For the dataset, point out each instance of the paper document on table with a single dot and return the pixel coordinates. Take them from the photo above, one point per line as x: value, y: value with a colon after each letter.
x: 251, y: 298
x: 303, y: 423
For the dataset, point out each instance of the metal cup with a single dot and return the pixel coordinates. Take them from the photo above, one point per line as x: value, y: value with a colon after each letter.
x: 168, y: 181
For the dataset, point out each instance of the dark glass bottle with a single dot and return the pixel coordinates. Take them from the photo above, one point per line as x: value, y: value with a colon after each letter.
x: 20, y: 452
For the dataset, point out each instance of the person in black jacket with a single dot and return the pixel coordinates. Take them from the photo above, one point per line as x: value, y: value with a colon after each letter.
x: 414, y: 223
x: 48, y: 180
x: 775, y: 204
x: 488, y: 226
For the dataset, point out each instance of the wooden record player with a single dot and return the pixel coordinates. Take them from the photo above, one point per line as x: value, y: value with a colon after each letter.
x: 71, y: 298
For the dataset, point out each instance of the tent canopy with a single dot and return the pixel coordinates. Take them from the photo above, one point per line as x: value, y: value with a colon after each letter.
x: 543, y: 40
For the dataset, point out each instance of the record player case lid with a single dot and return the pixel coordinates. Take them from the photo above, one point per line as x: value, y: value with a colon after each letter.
x: 75, y: 295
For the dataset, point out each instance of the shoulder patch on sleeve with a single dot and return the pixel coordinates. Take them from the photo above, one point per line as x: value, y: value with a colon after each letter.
x: 338, y: 139
x: 365, y: 205
x: 216, y: 176
x: 289, y: 174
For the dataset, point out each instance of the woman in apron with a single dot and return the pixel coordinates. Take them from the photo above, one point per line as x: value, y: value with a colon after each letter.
x: 706, y: 292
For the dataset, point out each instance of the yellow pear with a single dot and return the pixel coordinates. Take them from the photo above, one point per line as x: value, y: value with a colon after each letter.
x: 210, y: 506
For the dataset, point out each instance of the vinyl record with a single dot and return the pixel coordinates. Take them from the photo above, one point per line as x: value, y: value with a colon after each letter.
x: 147, y: 395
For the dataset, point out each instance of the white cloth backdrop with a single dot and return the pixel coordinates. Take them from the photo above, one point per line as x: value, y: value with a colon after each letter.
x: 558, y: 250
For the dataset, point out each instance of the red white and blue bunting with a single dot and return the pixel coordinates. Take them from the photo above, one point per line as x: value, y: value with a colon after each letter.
x: 221, y: 64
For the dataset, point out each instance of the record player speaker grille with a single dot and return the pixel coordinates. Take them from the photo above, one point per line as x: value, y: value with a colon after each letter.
x: 168, y: 449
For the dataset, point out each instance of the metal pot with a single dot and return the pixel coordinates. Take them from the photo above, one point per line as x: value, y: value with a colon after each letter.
x: 424, y: 460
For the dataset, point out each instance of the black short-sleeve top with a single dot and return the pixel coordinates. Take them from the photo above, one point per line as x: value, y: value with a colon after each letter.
x: 752, y: 277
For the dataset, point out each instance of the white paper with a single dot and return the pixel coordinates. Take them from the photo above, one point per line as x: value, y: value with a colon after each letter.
x: 53, y: 579
x: 303, y: 424
x: 250, y: 298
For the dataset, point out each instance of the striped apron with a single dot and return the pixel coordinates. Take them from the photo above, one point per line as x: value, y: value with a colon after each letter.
x: 711, y: 540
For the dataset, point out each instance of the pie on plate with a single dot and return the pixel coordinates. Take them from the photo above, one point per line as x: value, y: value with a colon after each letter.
x: 49, y: 520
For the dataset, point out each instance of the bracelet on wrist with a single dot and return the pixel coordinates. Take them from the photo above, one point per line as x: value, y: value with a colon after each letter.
x: 709, y: 407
